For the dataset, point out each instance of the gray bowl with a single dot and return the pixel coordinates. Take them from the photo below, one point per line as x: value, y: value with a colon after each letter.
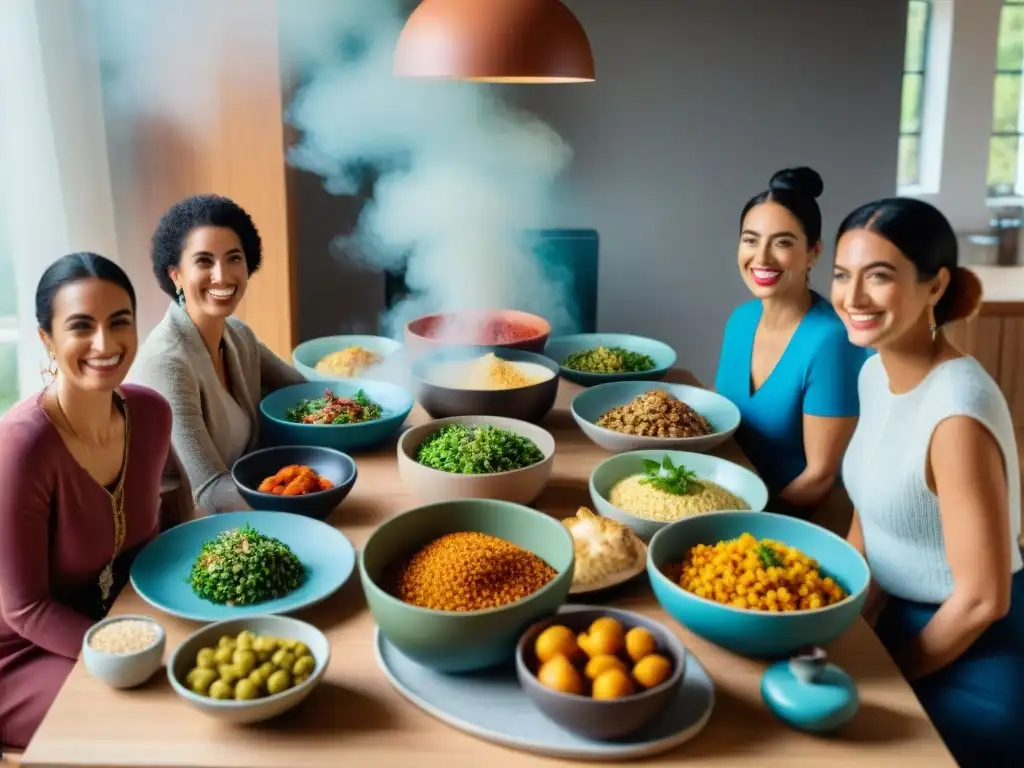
x: 124, y: 670
x: 531, y: 403
x: 598, y: 718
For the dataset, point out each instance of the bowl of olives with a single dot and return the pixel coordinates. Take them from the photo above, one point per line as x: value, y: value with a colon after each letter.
x: 251, y: 669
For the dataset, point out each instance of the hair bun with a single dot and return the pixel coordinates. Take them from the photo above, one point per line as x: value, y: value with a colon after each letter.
x: 803, y: 180
x: 967, y: 294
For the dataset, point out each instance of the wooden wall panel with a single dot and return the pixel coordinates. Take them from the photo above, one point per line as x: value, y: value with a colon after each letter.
x: 207, y: 117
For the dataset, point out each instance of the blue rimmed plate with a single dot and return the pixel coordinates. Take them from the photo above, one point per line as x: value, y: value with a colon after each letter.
x: 161, y: 571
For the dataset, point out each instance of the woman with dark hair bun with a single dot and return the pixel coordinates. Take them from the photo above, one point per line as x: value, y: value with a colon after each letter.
x: 934, y: 476
x: 786, y: 361
x: 207, y: 363
x: 79, y: 484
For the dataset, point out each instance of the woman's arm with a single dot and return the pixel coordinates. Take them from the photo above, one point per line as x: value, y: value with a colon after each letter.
x: 970, y: 481
x: 275, y: 373
x: 825, y: 441
x: 28, y: 606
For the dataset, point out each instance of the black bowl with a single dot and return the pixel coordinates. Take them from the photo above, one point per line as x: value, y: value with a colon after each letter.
x: 253, y: 468
x: 531, y: 403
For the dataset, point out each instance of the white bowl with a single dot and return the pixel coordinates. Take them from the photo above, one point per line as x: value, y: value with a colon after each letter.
x: 124, y: 670
x: 253, y: 710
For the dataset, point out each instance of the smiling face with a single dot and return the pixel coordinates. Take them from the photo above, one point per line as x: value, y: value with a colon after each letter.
x: 774, y: 256
x: 877, y: 291
x: 93, y: 336
x: 212, y: 272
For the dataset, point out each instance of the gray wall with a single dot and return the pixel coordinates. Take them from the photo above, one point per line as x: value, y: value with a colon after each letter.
x: 697, y: 103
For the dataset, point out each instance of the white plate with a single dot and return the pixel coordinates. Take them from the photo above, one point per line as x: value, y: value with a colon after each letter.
x: 614, y: 579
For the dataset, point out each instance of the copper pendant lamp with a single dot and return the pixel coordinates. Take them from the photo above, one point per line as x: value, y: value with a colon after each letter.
x: 496, y: 41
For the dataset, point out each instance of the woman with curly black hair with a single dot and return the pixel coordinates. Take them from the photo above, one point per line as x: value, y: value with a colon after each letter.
x: 209, y: 365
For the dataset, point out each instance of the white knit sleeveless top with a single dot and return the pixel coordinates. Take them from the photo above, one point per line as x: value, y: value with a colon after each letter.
x: 884, y: 472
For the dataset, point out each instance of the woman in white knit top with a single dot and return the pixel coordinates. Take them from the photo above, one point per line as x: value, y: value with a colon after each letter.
x: 933, y: 473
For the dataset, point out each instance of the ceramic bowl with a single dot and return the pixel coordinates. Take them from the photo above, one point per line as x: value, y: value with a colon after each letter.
x: 734, y: 478
x: 396, y: 402
x: 560, y: 347
x: 758, y: 634
x: 600, y: 719
x: 438, y: 391
x: 253, y: 468
x: 519, y: 485
x: 448, y: 641
x: 432, y: 332
x: 124, y: 670
x: 590, y: 404
x: 309, y: 353
x: 253, y: 710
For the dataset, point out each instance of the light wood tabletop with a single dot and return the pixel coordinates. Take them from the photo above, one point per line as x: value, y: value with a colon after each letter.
x: 355, y: 718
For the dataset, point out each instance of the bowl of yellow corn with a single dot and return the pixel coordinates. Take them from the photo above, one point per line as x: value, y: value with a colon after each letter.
x: 756, y: 583
x: 329, y: 358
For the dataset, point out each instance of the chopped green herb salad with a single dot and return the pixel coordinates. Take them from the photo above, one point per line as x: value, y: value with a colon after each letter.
x: 608, y: 360
x: 477, y: 450
x: 243, y: 566
x: 332, y: 409
x: 669, y: 478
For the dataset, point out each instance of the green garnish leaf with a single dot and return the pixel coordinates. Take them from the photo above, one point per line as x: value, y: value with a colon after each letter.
x: 669, y: 478
x: 477, y: 450
x: 769, y: 556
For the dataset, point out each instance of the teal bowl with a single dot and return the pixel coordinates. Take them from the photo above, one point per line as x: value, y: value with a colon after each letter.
x: 396, y: 403
x: 449, y: 641
x: 729, y: 475
x: 758, y: 634
x: 309, y: 353
x: 561, y: 347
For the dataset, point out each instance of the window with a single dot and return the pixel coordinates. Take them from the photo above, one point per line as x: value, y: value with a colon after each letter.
x: 912, y: 106
x: 1004, y: 155
x: 9, y: 389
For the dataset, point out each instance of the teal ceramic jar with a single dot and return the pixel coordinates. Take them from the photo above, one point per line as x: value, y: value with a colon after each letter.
x: 810, y: 694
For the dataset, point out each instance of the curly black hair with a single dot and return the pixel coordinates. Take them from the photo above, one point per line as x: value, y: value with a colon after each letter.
x: 200, y: 211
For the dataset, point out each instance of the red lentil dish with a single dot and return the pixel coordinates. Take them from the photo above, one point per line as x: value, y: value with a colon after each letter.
x: 469, y: 571
x: 457, y: 330
x: 763, y: 575
x: 295, y: 480
x: 656, y: 413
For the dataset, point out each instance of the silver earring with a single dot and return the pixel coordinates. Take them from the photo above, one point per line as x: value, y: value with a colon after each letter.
x: 181, y: 297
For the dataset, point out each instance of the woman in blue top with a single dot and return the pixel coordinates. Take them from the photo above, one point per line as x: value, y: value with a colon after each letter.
x: 786, y: 361
x: 933, y: 471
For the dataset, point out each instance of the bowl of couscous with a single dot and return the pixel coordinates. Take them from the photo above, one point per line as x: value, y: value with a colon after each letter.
x: 758, y: 584
x: 453, y: 585
x: 328, y: 358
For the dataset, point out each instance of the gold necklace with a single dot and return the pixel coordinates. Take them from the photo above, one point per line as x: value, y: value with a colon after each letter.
x: 106, y: 580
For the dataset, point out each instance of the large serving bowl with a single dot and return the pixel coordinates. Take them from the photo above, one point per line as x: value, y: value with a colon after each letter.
x: 396, y: 402
x: 253, y: 468
x: 600, y: 719
x: 590, y: 404
x: 432, y: 485
x: 485, y: 327
x: 560, y: 347
x: 752, y: 633
x: 730, y: 476
x: 253, y: 710
x: 442, y: 392
x: 463, y: 641
x: 309, y: 353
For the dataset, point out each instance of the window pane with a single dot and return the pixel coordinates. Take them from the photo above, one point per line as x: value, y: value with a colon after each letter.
x: 910, y: 109
x: 908, y: 173
x: 8, y: 376
x: 917, y: 34
x: 1002, y: 164
x: 1011, y: 38
x: 1006, y: 104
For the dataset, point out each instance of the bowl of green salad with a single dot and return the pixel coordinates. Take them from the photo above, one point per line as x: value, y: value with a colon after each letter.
x: 597, y: 358
x: 476, y: 457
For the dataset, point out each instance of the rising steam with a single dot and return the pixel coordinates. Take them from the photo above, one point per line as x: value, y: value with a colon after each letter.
x: 459, y: 175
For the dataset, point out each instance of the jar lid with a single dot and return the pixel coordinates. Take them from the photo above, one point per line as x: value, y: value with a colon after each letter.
x: 810, y: 693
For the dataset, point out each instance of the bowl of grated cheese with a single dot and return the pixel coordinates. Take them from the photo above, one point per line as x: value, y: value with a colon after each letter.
x: 124, y: 651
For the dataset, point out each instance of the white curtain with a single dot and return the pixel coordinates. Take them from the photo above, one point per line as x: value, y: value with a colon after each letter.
x: 55, y: 186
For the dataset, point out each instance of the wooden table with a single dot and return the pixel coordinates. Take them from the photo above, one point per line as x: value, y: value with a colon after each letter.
x: 355, y: 718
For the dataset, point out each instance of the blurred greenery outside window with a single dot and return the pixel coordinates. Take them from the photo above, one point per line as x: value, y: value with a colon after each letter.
x: 1004, y: 152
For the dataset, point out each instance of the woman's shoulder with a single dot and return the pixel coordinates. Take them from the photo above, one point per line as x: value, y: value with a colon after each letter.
x: 243, y: 336
x: 26, y: 433
x: 146, y: 402
x: 744, y: 318
x: 962, y: 385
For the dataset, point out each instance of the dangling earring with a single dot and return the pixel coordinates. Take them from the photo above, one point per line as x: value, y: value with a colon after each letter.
x: 181, y: 297
x: 50, y: 370
x: 932, y: 326
x: 807, y: 277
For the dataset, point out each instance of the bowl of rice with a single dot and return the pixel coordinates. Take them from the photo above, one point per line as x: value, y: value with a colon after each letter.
x: 348, y: 357
x: 625, y: 416
x: 648, y: 490
x: 124, y: 651
x: 487, y: 381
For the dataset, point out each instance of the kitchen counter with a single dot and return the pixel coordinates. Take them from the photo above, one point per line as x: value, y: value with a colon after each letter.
x: 1002, y: 289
